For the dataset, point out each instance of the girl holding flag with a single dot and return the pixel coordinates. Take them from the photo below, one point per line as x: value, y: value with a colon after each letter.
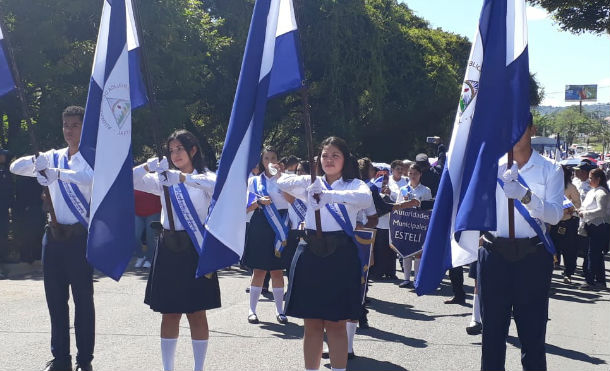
x: 325, y: 282
x: 267, y: 235
x: 172, y: 288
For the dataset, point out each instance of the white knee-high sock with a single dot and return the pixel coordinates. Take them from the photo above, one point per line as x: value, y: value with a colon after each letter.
x: 200, y: 347
x: 255, y: 293
x: 168, y: 353
x: 278, y: 297
x: 476, y: 309
x: 337, y: 369
x: 406, y: 266
x: 351, y: 332
x: 416, y: 268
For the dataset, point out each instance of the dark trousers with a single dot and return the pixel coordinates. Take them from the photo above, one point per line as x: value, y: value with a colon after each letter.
x: 582, y: 243
x: 456, y: 276
x: 598, y: 240
x: 564, y: 237
x: 384, y: 256
x: 65, y: 265
x: 520, y: 288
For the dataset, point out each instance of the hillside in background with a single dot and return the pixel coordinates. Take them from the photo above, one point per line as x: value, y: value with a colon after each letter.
x: 602, y: 108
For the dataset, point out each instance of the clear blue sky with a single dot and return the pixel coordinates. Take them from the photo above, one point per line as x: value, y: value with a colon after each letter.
x: 556, y: 57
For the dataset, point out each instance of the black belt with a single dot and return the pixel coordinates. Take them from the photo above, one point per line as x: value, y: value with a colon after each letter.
x: 512, y: 249
x: 327, y: 245
x: 64, y: 232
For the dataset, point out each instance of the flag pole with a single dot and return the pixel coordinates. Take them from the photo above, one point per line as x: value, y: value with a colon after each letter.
x: 152, y: 98
x: 511, y: 202
x: 27, y: 117
x: 308, y: 133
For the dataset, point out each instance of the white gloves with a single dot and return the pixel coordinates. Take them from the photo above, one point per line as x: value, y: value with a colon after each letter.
x: 325, y: 196
x: 154, y: 165
x: 512, y: 188
x: 169, y: 177
x: 41, y: 163
x: 50, y: 175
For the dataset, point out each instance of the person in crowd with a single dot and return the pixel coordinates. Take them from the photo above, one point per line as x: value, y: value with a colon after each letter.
x: 581, y: 181
x: 28, y: 218
x: 303, y: 168
x: 290, y: 164
x: 595, y: 213
x: 7, y: 200
x: 267, y: 234
x: 565, y: 232
x: 396, y: 181
x: 69, y: 179
x: 325, y: 289
x: 148, y: 211
x: 406, y: 165
x: 514, y: 274
x: 172, y: 288
x: 411, y: 196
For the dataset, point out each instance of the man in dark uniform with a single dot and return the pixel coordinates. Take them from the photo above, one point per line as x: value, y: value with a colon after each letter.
x: 514, y: 274
x: 65, y: 266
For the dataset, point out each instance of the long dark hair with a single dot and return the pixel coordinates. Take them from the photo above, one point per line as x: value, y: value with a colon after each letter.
x: 188, y: 141
x: 261, y: 167
x: 599, y: 174
x: 350, y: 164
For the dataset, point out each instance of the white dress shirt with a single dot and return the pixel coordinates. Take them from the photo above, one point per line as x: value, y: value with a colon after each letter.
x: 595, y: 207
x: 355, y: 195
x: 80, y: 173
x: 545, y: 180
x: 200, y: 195
x: 272, y: 189
x: 583, y: 187
x: 419, y: 192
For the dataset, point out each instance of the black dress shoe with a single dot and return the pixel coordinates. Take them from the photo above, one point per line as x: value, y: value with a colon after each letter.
x: 351, y: 355
x: 53, y: 365
x: 405, y: 284
x: 253, y: 319
x: 475, y: 329
x: 281, y: 318
x: 325, y: 354
x: 83, y: 367
x: 363, y: 324
x: 456, y: 300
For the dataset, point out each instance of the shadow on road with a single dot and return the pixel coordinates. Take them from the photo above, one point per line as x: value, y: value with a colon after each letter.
x: 393, y: 337
x: 406, y: 311
x: 288, y: 331
x: 558, y: 351
x: 369, y: 364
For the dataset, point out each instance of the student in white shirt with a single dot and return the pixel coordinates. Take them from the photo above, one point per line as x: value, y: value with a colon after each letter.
x: 64, y: 245
x: 325, y: 290
x: 172, y: 287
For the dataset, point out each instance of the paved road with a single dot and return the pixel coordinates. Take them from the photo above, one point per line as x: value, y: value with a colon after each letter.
x: 407, y: 332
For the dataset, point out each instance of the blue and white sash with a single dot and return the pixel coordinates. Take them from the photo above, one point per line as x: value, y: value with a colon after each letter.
x: 280, y: 225
x: 73, y: 197
x: 300, y: 209
x: 187, y: 214
x: 537, y: 225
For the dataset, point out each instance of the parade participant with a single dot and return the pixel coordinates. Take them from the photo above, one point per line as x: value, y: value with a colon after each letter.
x: 396, y: 181
x: 406, y: 165
x: 267, y: 235
x: 409, y: 196
x: 325, y: 284
x: 595, y: 215
x: 581, y: 181
x: 148, y: 210
x: 565, y: 232
x: 64, y: 244
x: 172, y: 288
x: 514, y: 275
x: 296, y: 213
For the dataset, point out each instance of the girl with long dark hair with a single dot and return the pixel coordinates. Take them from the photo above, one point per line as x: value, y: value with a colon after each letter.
x: 324, y: 286
x: 172, y: 288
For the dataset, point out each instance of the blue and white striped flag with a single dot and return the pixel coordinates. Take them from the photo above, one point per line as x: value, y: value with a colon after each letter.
x: 271, y: 66
x: 7, y: 83
x: 116, y: 89
x: 492, y: 116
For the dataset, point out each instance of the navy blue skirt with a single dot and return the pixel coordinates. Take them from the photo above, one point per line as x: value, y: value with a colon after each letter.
x: 325, y: 288
x: 259, y: 252
x: 172, y: 286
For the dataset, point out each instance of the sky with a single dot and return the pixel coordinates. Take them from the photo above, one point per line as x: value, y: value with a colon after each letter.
x: 557, y: 58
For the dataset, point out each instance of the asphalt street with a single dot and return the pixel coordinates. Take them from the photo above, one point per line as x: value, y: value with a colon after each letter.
x: 407, y: 332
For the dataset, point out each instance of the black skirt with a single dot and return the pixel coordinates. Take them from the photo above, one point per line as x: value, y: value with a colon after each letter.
x: 291, y: 248
x: 259, y: 252
x: 172, y: 286
x: 385, y: 256
x: 472, y: 270
x: 328, y: 287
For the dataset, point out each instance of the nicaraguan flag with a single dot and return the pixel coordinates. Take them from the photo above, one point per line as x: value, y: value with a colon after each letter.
x: 116, y: 89
x: 7, y: 83
x: 271, y: 66
x: 492, y: 116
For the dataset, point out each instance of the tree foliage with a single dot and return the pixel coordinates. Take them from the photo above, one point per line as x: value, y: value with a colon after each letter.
x: 579, y: 16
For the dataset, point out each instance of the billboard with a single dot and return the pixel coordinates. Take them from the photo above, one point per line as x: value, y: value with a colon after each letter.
x: 577, y: 93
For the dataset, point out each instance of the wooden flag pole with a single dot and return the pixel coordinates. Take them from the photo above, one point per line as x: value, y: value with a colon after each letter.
x: 28, y: 118
x: 511, y: 202
x: 154, y: 107
x: 310, y: 152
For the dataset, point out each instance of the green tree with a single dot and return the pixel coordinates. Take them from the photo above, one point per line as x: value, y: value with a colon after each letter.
x: 579, y: 16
